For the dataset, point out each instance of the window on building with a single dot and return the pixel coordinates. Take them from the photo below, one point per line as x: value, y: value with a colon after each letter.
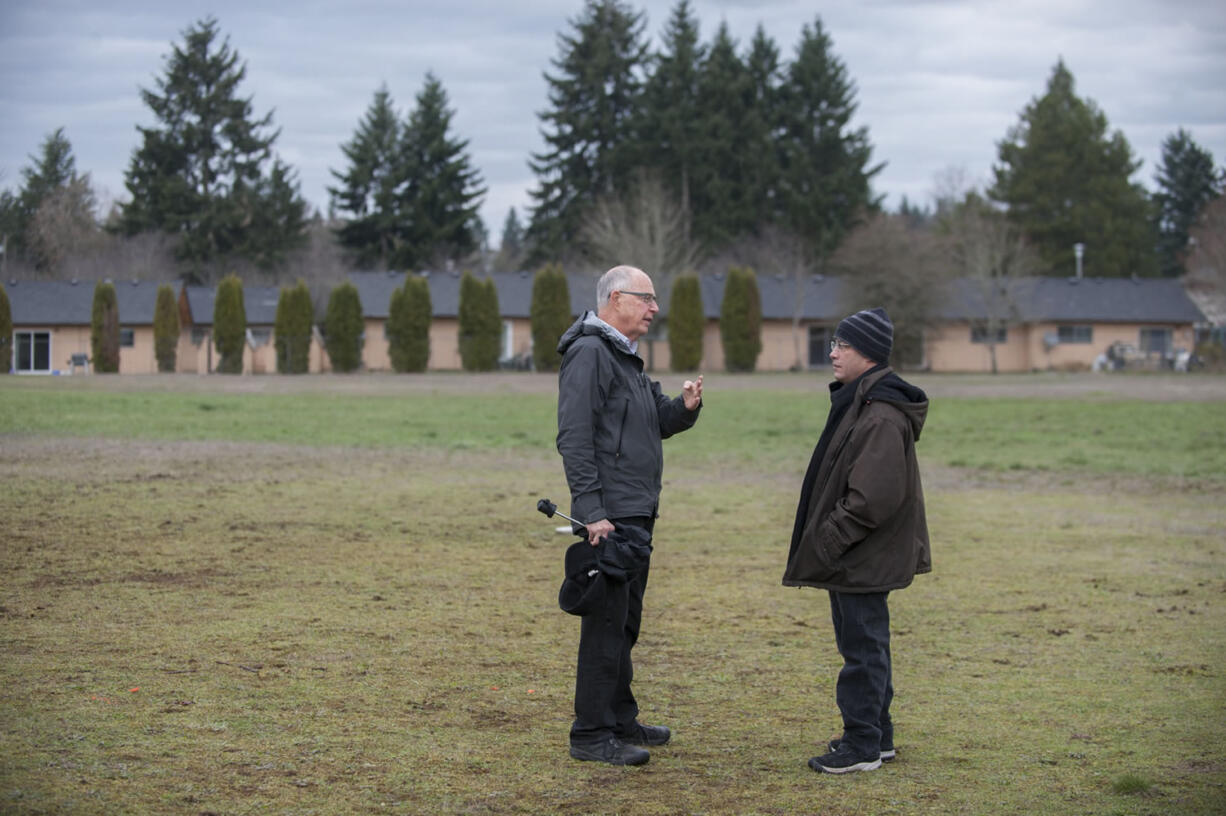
x: 980, y: 334
x: 1155, y: 340
x: 819, y: 346
x: 32, y: 352
x: 199, y: 335
x: 508, y: 337
x: 127, y: 338
x: 1076, y: 334
x: 259, y: 337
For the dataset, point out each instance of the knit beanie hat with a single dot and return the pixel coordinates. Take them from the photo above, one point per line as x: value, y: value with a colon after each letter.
x: 869, y: 332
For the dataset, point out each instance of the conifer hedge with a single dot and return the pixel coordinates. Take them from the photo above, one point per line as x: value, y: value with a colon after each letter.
x: 480, y: 324
x: 343, y: 328
x: 166, y: 328
x: 550, y: 316
x: 740, y: 320
x: 6, y: 332
x: 229, y: 325
x: 104, y: 329
x: 292, y: 329
x: 685, y: 324
x: 408, y: 325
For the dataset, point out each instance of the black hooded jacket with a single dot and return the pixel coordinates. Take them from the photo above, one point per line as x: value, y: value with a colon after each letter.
x: 860, y: 523
x: 611, y: 419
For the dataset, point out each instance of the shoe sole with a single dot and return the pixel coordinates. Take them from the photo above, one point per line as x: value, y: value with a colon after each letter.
x: 586, y: 757
x: 859, y: 766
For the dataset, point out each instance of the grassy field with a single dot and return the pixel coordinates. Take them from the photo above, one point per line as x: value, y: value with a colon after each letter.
x: 334, y: 595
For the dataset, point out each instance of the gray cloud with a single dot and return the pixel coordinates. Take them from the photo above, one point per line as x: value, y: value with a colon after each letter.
x: 939, y: 82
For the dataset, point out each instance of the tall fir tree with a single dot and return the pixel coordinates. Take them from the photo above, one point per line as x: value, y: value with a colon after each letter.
x: 52, y: 173
x: 824, y: 183
x: 593, y: 97
x: 200, y: 173
x: 367, y: 189
x: 511, y: 245
x: 1066, y: 181
x: 1187, y: 181
x: 762, y: 131
x: 668, y: 128
x: 440, y: 192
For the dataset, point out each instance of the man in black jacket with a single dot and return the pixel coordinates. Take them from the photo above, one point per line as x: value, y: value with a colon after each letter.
x: 860, y: 529
x: 611, y: 420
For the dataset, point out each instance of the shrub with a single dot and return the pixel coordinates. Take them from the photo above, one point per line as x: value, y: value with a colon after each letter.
x: 343, y: 328
x: 166, y: 328
x: 740, y: 320
x: 229, y: 325
x: 480, y: 324
x: 685, y: 324
x: 408, y: 325
x: 292, y: 329
x: 6, y: 332
x: 550, y: 316
x: 104, y: 329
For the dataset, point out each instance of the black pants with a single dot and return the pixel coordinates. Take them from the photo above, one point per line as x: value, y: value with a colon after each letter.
x: 865, y: 687
x: 604, y: 703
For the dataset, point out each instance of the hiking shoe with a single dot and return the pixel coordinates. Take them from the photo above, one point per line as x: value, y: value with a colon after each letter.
x: 887, y: 754
x: 610, y: 750
x: 646, y: 735
x: 844, y: 761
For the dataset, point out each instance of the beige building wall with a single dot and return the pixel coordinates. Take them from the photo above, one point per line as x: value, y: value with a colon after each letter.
x: 141, y: 356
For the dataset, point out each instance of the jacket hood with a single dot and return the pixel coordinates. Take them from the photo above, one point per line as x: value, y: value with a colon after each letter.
x: 909, y: 399
x: 589, y: 323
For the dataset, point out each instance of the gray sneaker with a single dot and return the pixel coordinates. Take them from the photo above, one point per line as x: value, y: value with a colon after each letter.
x: 610, y: 750
x: 844, y: 761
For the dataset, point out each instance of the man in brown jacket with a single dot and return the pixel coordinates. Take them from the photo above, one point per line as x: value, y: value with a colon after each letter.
x: 860, y: 529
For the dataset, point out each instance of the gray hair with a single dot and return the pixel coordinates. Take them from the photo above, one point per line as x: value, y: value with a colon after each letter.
x: 611, y: 281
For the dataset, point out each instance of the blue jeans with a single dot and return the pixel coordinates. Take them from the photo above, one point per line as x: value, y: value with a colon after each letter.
x: 865, y: 687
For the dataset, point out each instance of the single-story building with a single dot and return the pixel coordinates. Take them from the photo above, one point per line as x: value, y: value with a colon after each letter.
x: 52, y: 322
x: 197, y: 354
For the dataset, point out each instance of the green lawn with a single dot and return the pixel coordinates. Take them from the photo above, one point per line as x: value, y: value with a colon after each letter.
x: 322, y: 601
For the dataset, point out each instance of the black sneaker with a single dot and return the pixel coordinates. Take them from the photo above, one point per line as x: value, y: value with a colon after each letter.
x: 647, y: 735
x: 838, y: 762
x: 610, y: 750
x: 887, y: 754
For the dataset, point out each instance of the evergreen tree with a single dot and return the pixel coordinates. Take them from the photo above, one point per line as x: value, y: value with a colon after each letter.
x: 6, y: 332
x: 367, y: 190
x: 229, y: 325
x: 721, y: 182
x: 1187, y: 181
x: 669, y: 128
x: 686, y: 323
x: 52, y: 175
x: 740, y: 320
x: 550, y: 315
x: 511, y: 247
x: 593, y: 98
x: 480, y: 324
x: 408, y: 325
x: 441, y: 191
x: 104, y: 329
x: 292, y: 329
x: 761, y: 127
x: 1065, y: 181
x: 343, y: 328
x: 824, y: 178
x: 166, y: 328
x: 200, y: 175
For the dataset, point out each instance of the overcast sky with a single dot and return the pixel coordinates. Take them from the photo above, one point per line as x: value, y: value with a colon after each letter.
x: 939, y: 82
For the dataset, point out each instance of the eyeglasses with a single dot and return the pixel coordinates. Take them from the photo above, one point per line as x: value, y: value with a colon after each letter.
x: 646, y: 297
x: 839, y: 345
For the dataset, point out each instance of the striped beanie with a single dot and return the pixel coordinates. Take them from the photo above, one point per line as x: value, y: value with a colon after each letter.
x: 869, y: 332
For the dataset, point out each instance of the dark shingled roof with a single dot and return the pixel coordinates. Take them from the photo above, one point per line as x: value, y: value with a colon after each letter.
x: 1088, y: 300
x: 71, y: 303
x: 259, y: 303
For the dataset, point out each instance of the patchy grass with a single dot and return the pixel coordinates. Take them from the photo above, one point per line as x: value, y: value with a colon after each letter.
x: 219, y: 619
